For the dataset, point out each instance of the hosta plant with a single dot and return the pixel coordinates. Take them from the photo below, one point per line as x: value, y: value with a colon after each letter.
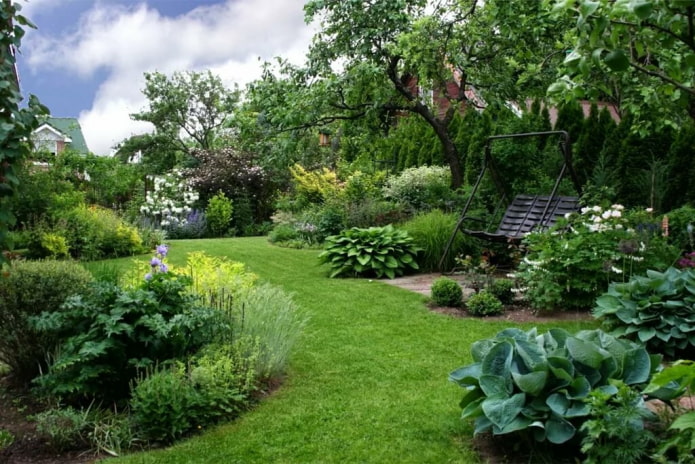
x: 378, y: 251
x: 657, y: 309
x: 539, y: 383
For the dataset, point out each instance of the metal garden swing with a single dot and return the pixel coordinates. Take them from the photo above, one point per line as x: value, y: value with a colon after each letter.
x: 526, y: 212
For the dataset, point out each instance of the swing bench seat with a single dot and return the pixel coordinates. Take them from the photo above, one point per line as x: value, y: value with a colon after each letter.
x: 526, y: 214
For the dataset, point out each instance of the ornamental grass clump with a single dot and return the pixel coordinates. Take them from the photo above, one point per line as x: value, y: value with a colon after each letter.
x: 376, y: 251
x: 538, y: 385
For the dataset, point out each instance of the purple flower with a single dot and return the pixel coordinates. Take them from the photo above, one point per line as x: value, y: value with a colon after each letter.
x: 162, y: 250
x: 163, y: 267
x: 155, y: 262
x: 148, y: 276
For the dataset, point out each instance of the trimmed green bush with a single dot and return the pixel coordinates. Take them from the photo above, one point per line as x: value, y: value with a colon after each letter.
x: 218, y: 214
x: 484, y: 303
x: 657, y: 310
x: 28, y: 289
x: 446, y: 292
x: 378, y: 251
x: 502, y: 289
x: 538, y: 384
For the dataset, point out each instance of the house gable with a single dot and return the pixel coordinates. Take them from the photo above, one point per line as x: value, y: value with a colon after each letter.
x: 57, y: 134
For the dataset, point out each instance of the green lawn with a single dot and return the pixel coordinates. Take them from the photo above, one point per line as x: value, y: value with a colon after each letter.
x: 367, y: 381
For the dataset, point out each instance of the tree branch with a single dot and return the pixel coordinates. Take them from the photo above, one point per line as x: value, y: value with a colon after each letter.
x: 664, y: 78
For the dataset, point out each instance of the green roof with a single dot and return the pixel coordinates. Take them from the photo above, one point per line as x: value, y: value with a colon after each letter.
x: 71, y: 128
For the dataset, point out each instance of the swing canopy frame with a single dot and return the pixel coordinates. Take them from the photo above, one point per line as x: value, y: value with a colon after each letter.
x: 525, y: 213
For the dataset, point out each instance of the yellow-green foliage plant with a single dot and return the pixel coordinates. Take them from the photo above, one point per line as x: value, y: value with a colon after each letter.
x: 315, y: 186
x: 212, y: 277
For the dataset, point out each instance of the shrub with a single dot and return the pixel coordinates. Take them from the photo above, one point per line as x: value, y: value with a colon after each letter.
x: 109, y: 333
x: 679, y: 235
x: 431, y: 232
x: 671, y: 383
x: 172, y: 402
x: 371, y: 212
x: 570, y: 265
x: 538, y: 384
x: 29, y: 288
x: 419, y: 189
x: 53, y: 245
x: 219, y: 214
x: 94, y: 232
x: 615, y: 430
x: 484, y: 303
x: 503, y: 290
x: 656, y: 309
x: 283, y: 233
x: 169, y: 201
x: 379, y: 251
x: 163, y: 405
x: 313, y: 186
x: 446, y: 292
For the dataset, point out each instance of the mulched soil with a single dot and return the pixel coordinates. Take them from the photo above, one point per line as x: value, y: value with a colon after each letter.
x: 28, y: 447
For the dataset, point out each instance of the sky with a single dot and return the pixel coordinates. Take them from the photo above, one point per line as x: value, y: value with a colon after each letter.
x: 87, y: 58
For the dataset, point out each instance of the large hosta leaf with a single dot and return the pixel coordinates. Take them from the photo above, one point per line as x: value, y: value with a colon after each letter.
x: 498, y: 360
x: 502, y: 411
x: 558, y: 430
x: 531, y: 383
x: 585, y: 352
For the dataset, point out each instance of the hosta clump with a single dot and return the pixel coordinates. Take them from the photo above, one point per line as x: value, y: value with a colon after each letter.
x: 657, y: 309
x: 377, y: 251
x: 539, y: 383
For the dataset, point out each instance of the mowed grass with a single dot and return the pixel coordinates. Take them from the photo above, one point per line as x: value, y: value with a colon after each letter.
x: 367, y: 381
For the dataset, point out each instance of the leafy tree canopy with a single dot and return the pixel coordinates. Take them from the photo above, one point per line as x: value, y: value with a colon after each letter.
x: 640, y: 52
x: 191, y: 108
x: 16, y: 124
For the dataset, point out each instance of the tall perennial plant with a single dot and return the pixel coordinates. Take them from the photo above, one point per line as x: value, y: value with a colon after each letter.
x: 170, y: 200
x: 569, y: 265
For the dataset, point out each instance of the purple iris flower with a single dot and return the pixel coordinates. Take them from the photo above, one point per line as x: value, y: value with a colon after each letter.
x: 163, y: 267
x: 162, y: 250
x: 148, y: 276
x: 155, y: 262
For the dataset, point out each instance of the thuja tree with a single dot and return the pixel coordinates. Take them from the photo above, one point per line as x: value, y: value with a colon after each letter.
x: 16, y: 124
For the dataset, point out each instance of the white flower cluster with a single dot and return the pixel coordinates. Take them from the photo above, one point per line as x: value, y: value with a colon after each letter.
x: 599, y: 220
x: 170, y: 200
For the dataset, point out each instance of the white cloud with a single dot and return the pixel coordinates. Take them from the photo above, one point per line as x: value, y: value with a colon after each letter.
x: 226, y: 38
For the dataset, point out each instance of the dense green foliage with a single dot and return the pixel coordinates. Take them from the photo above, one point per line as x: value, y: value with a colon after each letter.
x: 28, y: 289
x: 446, y: 292
x: 484, y: 303
x: 569, y: 265
x: 617, y: 426
x: 539, y: 384
x: 108, y: 333
x: 503, y: 290
x: 376, y: 251
x: 676, y: 381
x: 219, y: 214
x: 657, y: 309
x: 639, y: 52
x: 16, y: 123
